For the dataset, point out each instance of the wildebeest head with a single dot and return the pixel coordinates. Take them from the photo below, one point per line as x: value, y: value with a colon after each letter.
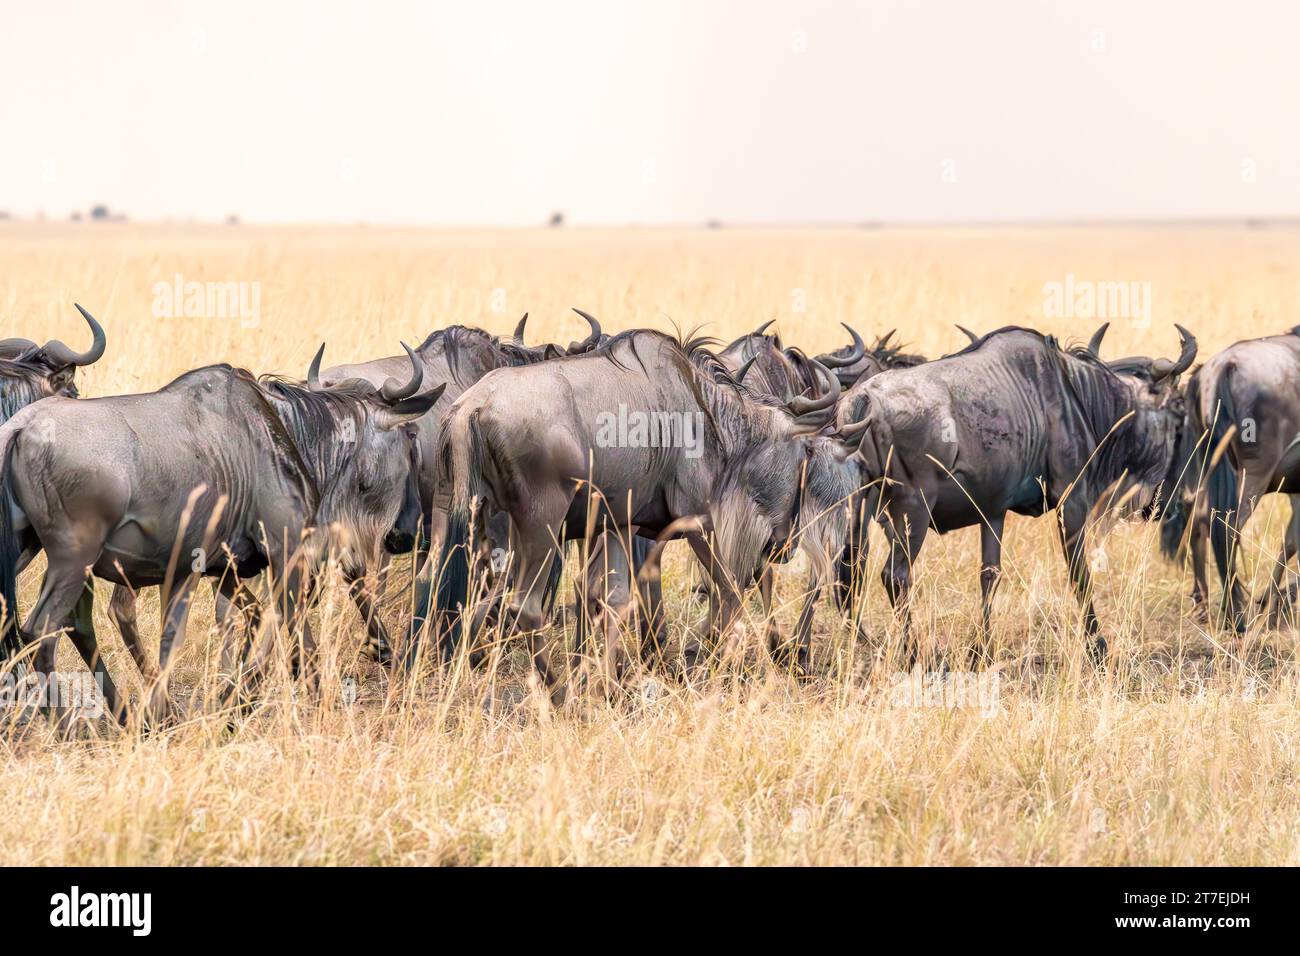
x: 29, y: 372
x: 851, y: 362
x: 795, y: 484
x: 365, y: 456
x: 768, y: 368
x: 1159, y: 399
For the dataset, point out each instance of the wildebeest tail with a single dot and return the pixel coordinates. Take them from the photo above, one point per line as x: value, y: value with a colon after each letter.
x: 463, y: 458
x: 1221, y: 483
x: 10, y: 552
x: 1186, y: 473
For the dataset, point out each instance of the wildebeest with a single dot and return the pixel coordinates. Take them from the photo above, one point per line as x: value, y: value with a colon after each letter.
x: 1241, y: 441
x: 769, y: 368
x: 1012, y: 423
x: 29, y: 373
x: 457, y: 356
x: 784, y: 372
x: 772, y: 369
x: 655, y: 436
x: 218, y: 472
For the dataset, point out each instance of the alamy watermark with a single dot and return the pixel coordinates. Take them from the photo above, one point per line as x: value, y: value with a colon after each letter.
x: 76, y: 908
x: 81, y: 692
x: 628, y: 428
x: 209, y: 300
x: 1086, y: 299
x: 948, y: 690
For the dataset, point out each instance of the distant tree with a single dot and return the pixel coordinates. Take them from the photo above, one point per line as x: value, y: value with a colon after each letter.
x: 4, y: 214
x: 99, y: 212
x: 557, y: 220
x: 713, y: 224
x: 232, y: 220
x: 76, y: 217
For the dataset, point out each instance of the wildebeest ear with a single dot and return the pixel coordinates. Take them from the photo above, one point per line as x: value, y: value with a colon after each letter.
x: 408, y: 409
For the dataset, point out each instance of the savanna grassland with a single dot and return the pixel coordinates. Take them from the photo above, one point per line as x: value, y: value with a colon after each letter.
x: 1185, y: 752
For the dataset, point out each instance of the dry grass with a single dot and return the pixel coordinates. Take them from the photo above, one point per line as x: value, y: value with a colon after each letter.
x: 1185, y: 752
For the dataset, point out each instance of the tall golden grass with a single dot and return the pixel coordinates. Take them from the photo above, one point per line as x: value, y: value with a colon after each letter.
x: 1184, y: 752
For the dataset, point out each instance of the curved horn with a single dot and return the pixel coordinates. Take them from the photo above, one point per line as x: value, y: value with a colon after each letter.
x: 59, y: 354
x: 762, y: 328
x: 1163, y: 368
x: 519, y: 330
x: 394, y: 391
x: 592, y: 340
x: 802, y: 406
x: 851, y: 434
x: 740, y: 373
x: 313, y: 371
x: 1094, y: 343
x: 968, y: 333
x: 855, y: 353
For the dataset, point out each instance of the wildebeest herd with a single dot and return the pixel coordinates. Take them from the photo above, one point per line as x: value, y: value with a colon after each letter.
x: 492, y: 460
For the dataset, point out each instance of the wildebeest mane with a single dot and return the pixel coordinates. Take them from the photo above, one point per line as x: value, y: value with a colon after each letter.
x: 459, y: 342
x: 891, y: 356
x: 1102, y: 399
x: 19, y: 386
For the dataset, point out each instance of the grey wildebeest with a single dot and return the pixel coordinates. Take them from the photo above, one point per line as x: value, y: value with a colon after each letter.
x: 1012, y: 423
x: 244, y: 473
x: 1241, y: 441
x: 31, y: 372
x: 785, y: 372
x: 546, y: 445
x: 457, y: 356
x: 769, y: 368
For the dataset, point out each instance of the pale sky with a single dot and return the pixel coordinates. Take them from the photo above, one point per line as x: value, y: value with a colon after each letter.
x: 498, y: 112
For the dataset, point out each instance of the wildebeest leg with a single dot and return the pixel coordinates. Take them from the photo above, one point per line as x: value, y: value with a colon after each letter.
x: 803, y: 627
x: 83, y: 637
x: 652, y: 600
x: 905, y: 528
x: 377, y: 646
x: 428, y: 547
x: 175, y: 615
x: 302, y: 658
x: 608, y: 605
x: 1074, y: 544
x: 534, y: 552
x: 990, y: 576
x: 65, y: 581
x: 852, y: 561
x: 1279, y: 597
x: 703, y: 549
x: 586, y: 591
x: 122, y: 609
x: 1197, y: 544
x: 775, y: 642
x: 1234, y: 595
x: 239, y: 618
